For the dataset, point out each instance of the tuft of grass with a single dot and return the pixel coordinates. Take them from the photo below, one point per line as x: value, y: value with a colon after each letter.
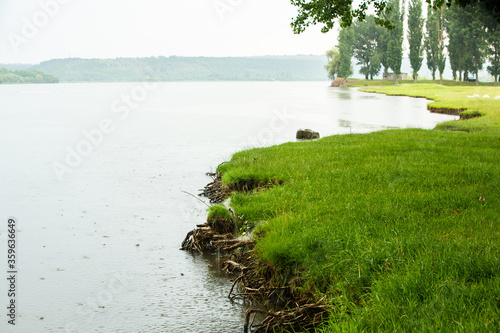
x: 400, y: 229
x: 218, y: 212
x: 220, y: 219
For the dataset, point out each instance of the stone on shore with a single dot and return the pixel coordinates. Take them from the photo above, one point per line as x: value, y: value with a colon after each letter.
x: 307, y: 134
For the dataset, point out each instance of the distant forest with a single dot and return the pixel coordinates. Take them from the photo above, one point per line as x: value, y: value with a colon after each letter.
x: 280, y: 68
x: 25, y: 76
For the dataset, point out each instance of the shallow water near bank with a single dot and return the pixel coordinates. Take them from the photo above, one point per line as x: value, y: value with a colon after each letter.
x: 95, y: 175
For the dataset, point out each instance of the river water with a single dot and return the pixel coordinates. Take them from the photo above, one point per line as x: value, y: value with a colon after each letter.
x: 96, y: 175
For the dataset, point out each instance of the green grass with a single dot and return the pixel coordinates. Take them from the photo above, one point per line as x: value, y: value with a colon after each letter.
x: 382, y: 83
x: 218, y: 212
x: 388, y: 225
x: 220, y: 219
x: 455, y: 97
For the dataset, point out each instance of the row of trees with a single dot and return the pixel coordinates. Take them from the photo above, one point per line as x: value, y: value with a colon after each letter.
x: 468, y: 36
x: 474, y: 37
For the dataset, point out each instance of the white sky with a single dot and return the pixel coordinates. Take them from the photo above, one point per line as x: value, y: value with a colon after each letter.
x: 143, y: 28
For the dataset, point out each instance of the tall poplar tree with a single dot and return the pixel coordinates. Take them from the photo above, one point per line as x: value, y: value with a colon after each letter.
x: 456, y: 26
x: 431, y: 42
x: 415, y: 36
x: 441, y: 58
x: 468, y: 39
x: 475, y: 39
x: 382, y: 44
x: 394, y: 56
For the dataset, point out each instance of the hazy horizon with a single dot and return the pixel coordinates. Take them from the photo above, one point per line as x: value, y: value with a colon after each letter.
x: 157, y: 56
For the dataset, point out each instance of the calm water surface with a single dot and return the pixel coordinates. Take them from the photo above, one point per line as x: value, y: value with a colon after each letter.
x: 94, y: 175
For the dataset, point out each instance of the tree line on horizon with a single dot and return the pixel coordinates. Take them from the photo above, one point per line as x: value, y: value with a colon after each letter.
x: 25, y: 76
x: 173, y: 68
x: 467, y: 36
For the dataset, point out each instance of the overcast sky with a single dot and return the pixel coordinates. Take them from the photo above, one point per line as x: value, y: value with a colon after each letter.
x: 32, y: 31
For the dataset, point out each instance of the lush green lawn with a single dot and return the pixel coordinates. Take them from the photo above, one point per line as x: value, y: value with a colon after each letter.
x: 400, y: 228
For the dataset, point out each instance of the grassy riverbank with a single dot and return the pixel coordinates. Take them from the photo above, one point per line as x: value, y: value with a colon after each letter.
x: 455, y: 96
x: 400, y: 229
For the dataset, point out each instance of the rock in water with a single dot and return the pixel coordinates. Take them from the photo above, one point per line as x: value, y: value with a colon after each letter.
x: 307, y: 134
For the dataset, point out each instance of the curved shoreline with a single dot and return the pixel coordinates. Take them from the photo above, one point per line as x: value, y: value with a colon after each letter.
x: 432, y: 155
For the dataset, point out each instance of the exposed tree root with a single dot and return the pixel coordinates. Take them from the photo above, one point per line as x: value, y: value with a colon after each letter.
x: 279, y: 297
x: 286, y: 307
x: 238, y: 245
x: 197, y: 239
x: 205, y: 238
x: 216, y: 191
x: 303, y: 316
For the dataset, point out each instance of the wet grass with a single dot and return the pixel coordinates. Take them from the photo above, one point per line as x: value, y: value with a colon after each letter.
x: 471, y: 98
x: 399, y: 228
x: 220, y: 220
